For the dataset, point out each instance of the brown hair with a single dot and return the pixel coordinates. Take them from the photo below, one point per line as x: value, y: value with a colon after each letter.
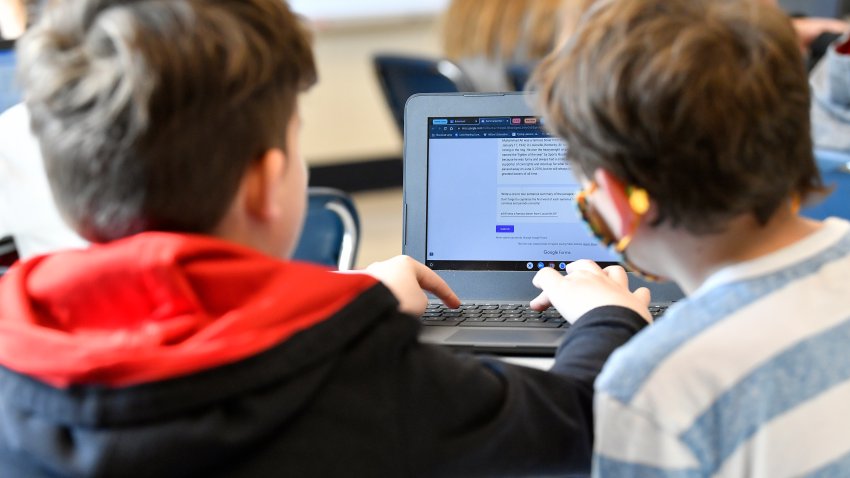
x: 470, y: 28
x: 704, y: 103
x: 542, y: 25
x: 570, y: 14
x: 149, y: 112
x: 512, y: 31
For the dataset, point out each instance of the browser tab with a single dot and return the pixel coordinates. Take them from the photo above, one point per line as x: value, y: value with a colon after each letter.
x: 495, y: 121
x: 472, y: 120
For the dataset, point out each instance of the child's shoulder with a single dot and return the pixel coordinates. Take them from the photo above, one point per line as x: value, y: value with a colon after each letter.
x: 630, y: 367
x: 714, y: 340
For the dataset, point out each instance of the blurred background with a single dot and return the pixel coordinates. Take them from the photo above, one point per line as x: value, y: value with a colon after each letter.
x: 350, y: 137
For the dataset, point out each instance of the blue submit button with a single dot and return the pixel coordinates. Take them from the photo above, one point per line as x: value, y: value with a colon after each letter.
x: 504, y: 228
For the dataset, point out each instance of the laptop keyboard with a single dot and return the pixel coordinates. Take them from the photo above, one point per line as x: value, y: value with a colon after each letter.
x: 501, y: 315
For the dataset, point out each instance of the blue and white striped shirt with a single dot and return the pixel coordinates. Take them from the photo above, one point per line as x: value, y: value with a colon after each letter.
x: 749, y: 377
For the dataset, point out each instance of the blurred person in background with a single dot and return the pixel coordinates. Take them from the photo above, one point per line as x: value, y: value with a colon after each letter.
x: 749, y: 375
x: 830, y: 82
x: 825, y: 43
x: 488, y: 38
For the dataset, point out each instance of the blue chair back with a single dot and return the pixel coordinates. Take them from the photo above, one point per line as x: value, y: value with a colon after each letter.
x: 519, y: 74
x: 403, y: 76
x: 817, y: 8
x: 834, y: 167
x: 331, y: 231
x: 10, y: 94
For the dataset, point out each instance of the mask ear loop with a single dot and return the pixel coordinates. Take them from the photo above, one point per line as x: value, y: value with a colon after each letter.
x: 639, y: 204
x: 796, y: 203
x: 638, y: 200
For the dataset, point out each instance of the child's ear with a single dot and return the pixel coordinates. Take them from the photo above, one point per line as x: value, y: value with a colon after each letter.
x: 614, y: 204
x: 261, y: 182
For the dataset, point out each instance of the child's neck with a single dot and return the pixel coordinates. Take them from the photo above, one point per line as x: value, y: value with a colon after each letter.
x: 698, y: 257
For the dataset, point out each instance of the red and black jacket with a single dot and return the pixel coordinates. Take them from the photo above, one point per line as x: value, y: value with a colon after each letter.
x: 174, y: 355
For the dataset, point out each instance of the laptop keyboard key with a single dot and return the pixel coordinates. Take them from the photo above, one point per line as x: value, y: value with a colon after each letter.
x: 510, y: 306
x: 657, y: 310
x: 492, y: 315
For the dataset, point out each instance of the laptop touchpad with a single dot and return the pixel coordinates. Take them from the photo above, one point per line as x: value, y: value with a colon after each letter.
x: 506, y: 337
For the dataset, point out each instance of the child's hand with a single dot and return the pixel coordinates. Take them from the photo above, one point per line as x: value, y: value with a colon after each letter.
x: 809, y: 28
x: 407, y: 279
x: 587, y: 286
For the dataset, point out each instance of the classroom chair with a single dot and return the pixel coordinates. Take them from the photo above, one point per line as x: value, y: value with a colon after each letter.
x: 403, y: 76
x: 518, y: 75
x: 331, y: 231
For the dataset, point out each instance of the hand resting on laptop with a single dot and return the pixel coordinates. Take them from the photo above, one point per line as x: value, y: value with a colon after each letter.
x: 408, y: 279
x: 587, y: 286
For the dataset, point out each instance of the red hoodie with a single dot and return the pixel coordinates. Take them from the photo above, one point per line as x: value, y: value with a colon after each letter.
x: 156, y: 306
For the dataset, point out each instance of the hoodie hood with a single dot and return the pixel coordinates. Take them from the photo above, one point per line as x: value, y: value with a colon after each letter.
x: 157, y: 306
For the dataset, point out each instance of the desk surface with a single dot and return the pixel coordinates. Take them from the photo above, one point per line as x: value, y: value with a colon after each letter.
x: 542, y: 363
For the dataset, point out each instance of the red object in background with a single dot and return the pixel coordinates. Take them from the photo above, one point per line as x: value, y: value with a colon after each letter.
x: 844, y: 48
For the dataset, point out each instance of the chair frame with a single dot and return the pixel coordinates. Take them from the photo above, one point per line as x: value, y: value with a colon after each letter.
x: 350, y: 235
x: 342, y: 206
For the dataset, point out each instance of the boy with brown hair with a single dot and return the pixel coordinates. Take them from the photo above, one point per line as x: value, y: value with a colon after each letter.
x: 688, y: 124
x: 178, y: 344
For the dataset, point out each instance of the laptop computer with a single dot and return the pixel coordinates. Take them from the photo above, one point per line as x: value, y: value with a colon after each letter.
x: 488, y: 201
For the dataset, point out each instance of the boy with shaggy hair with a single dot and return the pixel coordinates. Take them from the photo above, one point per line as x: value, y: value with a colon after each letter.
x: 688, y: 124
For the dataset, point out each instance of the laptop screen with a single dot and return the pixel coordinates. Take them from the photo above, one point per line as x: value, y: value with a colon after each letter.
x: 500, y: 196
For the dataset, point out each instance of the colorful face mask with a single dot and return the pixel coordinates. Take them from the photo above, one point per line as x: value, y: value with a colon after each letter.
x: 639, y: 204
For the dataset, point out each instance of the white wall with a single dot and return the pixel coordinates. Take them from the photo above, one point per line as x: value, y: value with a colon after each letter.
x: 345, y: 115
x: 347, y: 10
